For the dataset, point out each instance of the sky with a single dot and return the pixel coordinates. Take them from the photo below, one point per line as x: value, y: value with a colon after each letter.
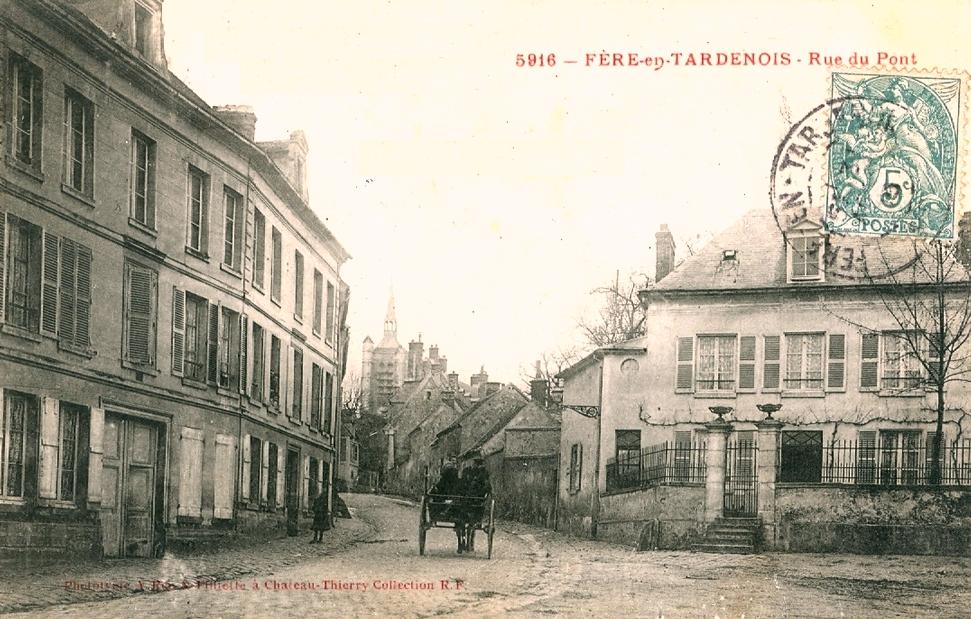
x: 493, y: 198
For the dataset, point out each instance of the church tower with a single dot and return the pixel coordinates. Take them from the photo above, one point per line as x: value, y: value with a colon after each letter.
x: 382, y: 368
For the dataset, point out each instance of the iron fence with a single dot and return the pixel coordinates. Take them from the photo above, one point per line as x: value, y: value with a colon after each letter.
x: 895, y: 460
x: 666, y: 463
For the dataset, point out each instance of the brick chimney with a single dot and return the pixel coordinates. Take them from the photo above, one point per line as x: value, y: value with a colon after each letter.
x: 448, y: 396
x: 664, y: 253
x: 491, y: 388
x: 453, y: 381
x: 239, y: 117
x: 538, y: 386
x: 478, y: 381
x: 416, y: 350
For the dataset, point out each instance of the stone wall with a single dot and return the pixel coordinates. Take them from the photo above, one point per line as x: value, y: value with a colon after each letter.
x: 663, y: 517
x: 25, y: 542
x: 872, y: 520
x: 528, y: 490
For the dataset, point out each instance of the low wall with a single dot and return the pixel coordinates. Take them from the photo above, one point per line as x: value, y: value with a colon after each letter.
x: 25, y: 543
x: 527, y: 491
x: 663, y: 517
x: 872, y: 520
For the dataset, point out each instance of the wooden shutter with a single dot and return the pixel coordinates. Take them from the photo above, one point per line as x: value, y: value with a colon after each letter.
x: 320, y: 475
x: 265, y: 470
x: 305, y: 486
x: 3, y: 269
x: 244, y: 478
x: 49, y: 441
x: 869, y: 361
x: 328, y: 412
x: 746, y: 363
x: 836, y: 363
x: 225, y: 475
x: 95, y: 457
x: 190, y: 478
x: 280, y: 464
x: 684, y: 382
x: 243, y: 353
x: 48, y: 303
x: 286, y: 380
x: 212, y: 346
x: 579, y: 466
x: 69, y: 260
x: 82, y: 321
x: 140, y: 315
x: 771, y: 356
x: 178, y: 331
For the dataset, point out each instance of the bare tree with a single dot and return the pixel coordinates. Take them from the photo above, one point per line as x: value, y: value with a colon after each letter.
x: 926, y: 290
x: 622, y: 316
x: 548, y: 366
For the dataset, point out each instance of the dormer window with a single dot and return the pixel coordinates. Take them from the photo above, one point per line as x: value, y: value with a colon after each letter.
x: 804, y: 248
x: 144, y: 30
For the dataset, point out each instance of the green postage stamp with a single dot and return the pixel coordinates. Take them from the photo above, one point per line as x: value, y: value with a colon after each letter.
x: 893, y: 155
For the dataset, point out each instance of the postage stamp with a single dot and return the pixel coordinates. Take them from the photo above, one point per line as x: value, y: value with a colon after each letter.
x: 893, y: 155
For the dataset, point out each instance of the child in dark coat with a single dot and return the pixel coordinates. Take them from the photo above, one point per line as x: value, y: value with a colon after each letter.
x: 321, y: 517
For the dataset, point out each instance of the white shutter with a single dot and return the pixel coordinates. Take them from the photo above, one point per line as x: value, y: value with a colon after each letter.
x: 308, y: 379
x: 244, y: 478
x: 305, y: 486
x: 265, y: 470
x: 746, y: 363
x: 684, y: 379
x: 178, y: 331
x: 320, y: 475
x: 190, y: 479
x: 49, y: 287
x: 96, y: 438
x: 836, y: 363
x: 225, y: 466
x: 286, y: 386
x: 771, y: 362
x: 281, y: 451
x: 3, y: 270
x: 243, y: 354
x: 49, y: 435
x: 869, y: 361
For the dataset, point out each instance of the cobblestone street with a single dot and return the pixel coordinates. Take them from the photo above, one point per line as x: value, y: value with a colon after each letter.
x: 374, y: 562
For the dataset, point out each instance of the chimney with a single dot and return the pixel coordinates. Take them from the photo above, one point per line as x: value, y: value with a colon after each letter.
x: 416, y: 351
x: 443, y: 364
x: 477, y: 381
x: 453, y: 381
x: 239, y: 117
x: 491, y: 388
x: 448, y: 396
x: 433, y: 353
x: 538, y: 387
x: 664, y: 252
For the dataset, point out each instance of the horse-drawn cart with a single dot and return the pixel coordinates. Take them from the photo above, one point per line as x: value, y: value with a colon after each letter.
x: 464, y: 514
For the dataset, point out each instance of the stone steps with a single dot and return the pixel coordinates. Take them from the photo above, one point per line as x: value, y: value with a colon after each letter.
x: 730, y: 535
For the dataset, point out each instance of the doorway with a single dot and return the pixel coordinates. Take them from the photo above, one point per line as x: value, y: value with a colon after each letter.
x: 741, y: 457
x: 130, y: 488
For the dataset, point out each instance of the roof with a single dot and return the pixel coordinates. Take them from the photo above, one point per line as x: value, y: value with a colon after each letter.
x: 506, y: 404
x: 634, y: 345
x: 760, y: 260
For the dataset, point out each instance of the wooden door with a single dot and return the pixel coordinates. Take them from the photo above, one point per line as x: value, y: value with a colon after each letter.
x: 128, y: 487
x: 111, y: 490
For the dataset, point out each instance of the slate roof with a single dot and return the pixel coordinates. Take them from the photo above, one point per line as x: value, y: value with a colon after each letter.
x: 760, y: 260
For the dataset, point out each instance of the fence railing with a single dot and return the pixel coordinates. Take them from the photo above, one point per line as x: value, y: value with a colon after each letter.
x: 893, y: 463
x: 666, y: 463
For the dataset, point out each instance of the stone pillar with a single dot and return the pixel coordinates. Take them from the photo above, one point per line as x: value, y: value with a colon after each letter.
x: 715, y: 468
x: 766, y: 473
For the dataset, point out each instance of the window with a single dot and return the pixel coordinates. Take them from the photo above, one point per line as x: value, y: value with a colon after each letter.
x: 23, y: 274
x: 78, y: 143
x: 271, y: 474
x: 899, y: 456
x: 682, y: 455
x: 196, y: 340
x: 316, y: 395
x: 68, y: 456
x: 298, y: 285
x: 144, y: 30
x: 276, y: 268
x: 901, y: 366
x: 256, y: 468
x: 328, y: 402
x: 275, y: 371
x: 628, y: 452
x: 143, y: 180
x: 806, y: 257
x: 802, y: 456
x: 141, y: 311
x: 256, y: 385
x: 576, y: 466
x: 804, y: 361
x: 296, y: 410
x: 232, y: 229
x: 198, y: 210
x: 229, y: 333
x: 330, y: 312
x: 27, y: 108
x: 259, y: 249
x: 18, y: 421
x: 318, y: 300
x: 716, y: 363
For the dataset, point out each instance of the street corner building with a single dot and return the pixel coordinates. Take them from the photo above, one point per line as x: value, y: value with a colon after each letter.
x: 170, y: 308
x: 778, y: 401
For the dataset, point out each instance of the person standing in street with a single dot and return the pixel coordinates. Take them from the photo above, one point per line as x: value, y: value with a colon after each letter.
x: 321, y: 517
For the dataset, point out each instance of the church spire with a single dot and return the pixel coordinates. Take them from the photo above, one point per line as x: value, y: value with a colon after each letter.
x: 390, y: 322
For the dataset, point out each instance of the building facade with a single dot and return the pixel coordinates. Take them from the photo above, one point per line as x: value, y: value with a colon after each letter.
x: 168, y: 300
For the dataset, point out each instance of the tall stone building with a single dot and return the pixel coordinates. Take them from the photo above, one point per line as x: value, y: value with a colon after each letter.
x: 169, y: 324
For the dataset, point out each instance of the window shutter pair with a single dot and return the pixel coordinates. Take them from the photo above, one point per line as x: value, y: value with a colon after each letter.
x: 140, y: 314
x: 190, y: 481
x: 245, y: 476
x: 225, y: 466
x: 746, y: 363
x: 870, y: 361
x: 65, y: 310
x: 49, y: 443
x: 684, y: 379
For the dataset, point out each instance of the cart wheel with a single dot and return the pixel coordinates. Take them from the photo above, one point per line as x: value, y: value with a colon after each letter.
x: 421, y: 527
x: 492, y: 526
